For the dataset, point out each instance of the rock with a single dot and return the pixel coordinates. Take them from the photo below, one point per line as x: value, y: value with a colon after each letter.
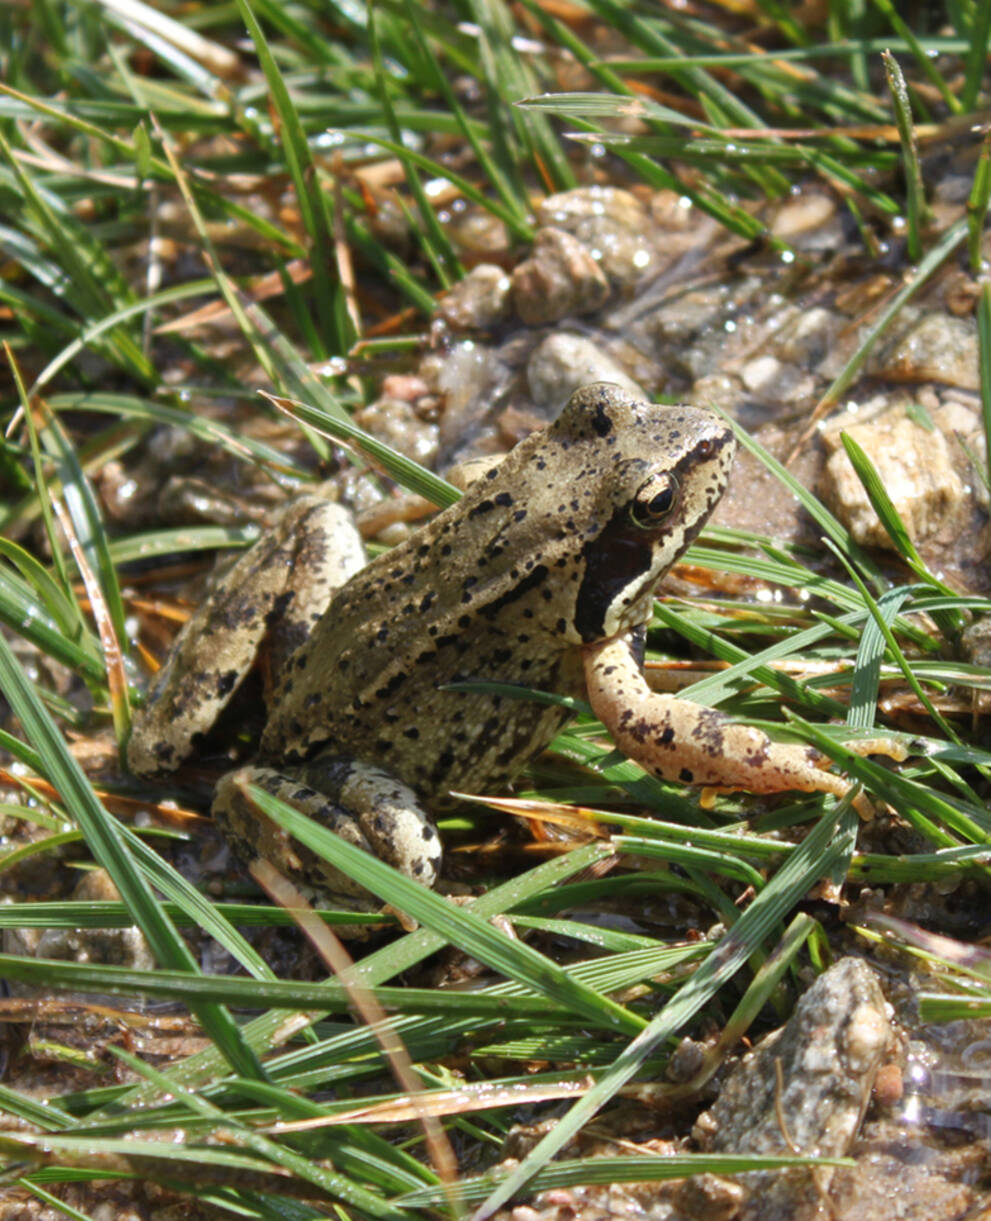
x: 915, y: 466
x: 563, y: 362
x: 121, y: 947
x: 935, y: 347
x: 476, y: 232
x: 398, y: 422
x: 613, y: 226
x: 828, y: 1055
x: 774, y: 381
x: 809, y: 220
x: 808, y: 336
x: 478, y: 301
x: 559, y: 278
x: 710, y: 1197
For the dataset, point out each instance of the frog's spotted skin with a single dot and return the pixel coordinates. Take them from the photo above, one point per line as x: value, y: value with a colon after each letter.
x: 545, y: 567
x: 559, y: 545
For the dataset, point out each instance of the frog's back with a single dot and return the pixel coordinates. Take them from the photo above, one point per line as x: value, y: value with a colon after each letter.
x: 372, y: 681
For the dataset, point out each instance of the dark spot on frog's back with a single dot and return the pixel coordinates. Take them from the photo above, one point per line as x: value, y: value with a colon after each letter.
x: 165, y: 755
x: 502, y: 499
x: 441, y: 768
x: 280, y: 604
x: 225, y: 682
x: 601, y: 421
x: 531, y: 581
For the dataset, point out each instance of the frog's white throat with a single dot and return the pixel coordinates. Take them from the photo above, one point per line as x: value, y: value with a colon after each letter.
x: 631, y: 608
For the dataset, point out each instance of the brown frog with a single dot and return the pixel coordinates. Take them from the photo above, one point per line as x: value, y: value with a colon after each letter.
x: 540, y: 576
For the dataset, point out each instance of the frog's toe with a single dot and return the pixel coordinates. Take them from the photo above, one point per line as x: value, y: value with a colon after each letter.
x: 389, y: 814
x: 252, y: 835
x: 370, y: 810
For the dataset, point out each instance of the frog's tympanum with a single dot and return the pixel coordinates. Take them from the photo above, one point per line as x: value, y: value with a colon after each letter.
x: 540, y: 576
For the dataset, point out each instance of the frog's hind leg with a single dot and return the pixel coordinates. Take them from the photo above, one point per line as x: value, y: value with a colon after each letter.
x: 361, y: 803
x: 272, y: 595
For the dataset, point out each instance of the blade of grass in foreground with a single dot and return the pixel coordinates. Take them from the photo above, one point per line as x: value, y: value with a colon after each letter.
x: 984, y: 337
x: 404, y: 470
x: 814, y: 859
x: 197, y: 990
x: 271, y: 1029
x: 514, y: 959
x: 642, y: 1168
x: 916, y: 198
x: 303, y: 1168
x: 107, y: 845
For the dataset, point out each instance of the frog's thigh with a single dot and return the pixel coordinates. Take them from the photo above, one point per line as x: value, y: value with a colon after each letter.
x: 678, y: 740
x: 362, y: 804
x: 276, y: 589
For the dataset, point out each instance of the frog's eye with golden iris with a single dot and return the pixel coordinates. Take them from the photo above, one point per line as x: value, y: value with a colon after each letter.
x: 654, y: 501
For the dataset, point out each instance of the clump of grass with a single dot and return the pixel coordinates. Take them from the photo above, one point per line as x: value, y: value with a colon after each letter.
x: 255, y: 122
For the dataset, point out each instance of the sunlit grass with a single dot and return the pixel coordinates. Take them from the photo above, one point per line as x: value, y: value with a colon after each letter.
x: 241, y: 134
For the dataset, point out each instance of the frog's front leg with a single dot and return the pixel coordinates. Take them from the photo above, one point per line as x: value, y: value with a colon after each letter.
x: 361, y: 803
x: 678, y: 740
x: 272, y: 595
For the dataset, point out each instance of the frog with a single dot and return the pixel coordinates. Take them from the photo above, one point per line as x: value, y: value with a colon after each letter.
x: 540, y: 578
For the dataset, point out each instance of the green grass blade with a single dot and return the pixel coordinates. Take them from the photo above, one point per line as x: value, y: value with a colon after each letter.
x: 830, y: 526
x: 405, y: 471
x: 64, y: 610
x: 977, y: 204
x: 917, y: 211
x: 882, y: 504
x: 87, y: 521
x: 508, y: 77
x: 923, y: 60
x: 930, y: 263
x: 984, y: 351
x: 310, y: 194
x: 272, y: 1152
x: 90, y: 270
x: 200, y: 991
x: 463, y: 928
x: 870, y: 654
x: 22, y: 611
x: 893, y: 646
x: 433, y: 238
x: 977, y: 56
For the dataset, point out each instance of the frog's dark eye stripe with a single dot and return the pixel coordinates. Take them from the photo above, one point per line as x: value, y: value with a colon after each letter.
x: 654, y: 500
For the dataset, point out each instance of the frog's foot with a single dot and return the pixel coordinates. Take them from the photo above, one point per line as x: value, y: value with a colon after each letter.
x: 890, y: 748
x: 362, y: 804
x: 678, y: 740
x: 273, y: 594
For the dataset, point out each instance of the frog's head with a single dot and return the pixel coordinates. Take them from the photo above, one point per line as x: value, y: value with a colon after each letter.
x: 646, y: 478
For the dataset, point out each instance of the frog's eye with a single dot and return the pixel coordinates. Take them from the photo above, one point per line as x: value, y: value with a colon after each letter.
x: 654, y: 501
